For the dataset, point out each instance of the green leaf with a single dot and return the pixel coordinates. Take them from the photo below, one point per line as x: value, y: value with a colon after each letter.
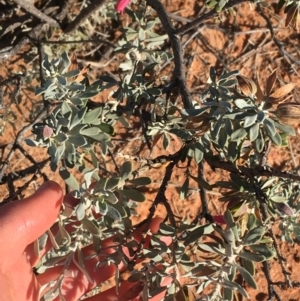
x: 278, y: 198
x: 80, y: 211
x: 259, y: 142
x: 106, y: 128
x: 111, y: 197
x: 253, y: 132
x: 158, y: 38
x: 223, y: 138
x: 140, y: 181
x: 211, y: 249
x: 112, y: 183
x: 71, y: 73
x: 69, y: 179
x: 197, y: 233
x: 269, y: 127
x: 65, y: 108
x: 101, y: 137
x: 242, y: 104
x: 166, y: 141
x: 239, y: 134
x: 141, y: 34
x: 248, y: 265
x: 76, y: 129
x: 253, y: 236
x: 61, y: 80
x: 92, y: 115
x: 77, y: 116
x: 252, y: 220
x: 198, y: 155
x: 91, y: 226
x: 108, y: 79
x: 264, y: 250
x: 212, y: 74
x: 228, y: 294
x: 184, y: 189
x: 31, y: 142
x: 235, y: 286
x: 63, y: 121
x: 133, y: 195
x: 64, y: 61
x: 211, y: 3
x: 289, y: 130
x: 77, y: 140
x: 252, y: 256
x: 249, y: 120
x: 87, y: 95
x: 166, y: 230
x: 276, y: 139
x: 193, y: 112
x: 76, y: 101
x: 233, y: 151
x: 102, y: 207
x: 126, y: 170
x: 153, y: 255
x: 61, y: 137
x: 92, y: 131
x: 216, y: 128
x: 229, y: 219
x: 247, y: 276
x: 261, y: 116
x: 113, y: 213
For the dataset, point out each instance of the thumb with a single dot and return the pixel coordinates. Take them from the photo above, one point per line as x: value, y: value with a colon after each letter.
x: 22, y: 222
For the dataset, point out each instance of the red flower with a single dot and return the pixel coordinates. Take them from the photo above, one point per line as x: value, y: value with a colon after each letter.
x: 219, y: 219
x: 121, y: 5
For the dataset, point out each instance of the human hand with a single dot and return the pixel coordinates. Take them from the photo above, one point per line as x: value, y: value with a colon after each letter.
x: 21, y: 224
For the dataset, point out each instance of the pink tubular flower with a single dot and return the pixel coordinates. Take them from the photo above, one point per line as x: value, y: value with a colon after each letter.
x: 121, y: 5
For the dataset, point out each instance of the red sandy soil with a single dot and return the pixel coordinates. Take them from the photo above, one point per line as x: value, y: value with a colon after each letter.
x: 225, y: 44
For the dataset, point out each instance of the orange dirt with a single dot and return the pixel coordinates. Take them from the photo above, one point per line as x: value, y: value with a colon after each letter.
x: 239, y: 41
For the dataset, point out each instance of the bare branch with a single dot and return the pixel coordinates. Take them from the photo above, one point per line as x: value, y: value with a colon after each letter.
x: 277, y: 43
x: 258, y: 171
x: 37, y: 13
x: 83, y: 15
x: 179, y: 73
x: 211, y: 14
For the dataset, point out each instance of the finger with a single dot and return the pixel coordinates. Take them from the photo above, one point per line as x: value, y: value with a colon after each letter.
x: 19, y: 282
x: 69, y: 203
x: 24, y: 221
x: 107, y: 246
x: 76, y: 284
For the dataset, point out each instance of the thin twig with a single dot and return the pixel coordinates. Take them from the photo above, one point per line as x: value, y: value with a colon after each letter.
x: 98, y: 40
x: 179, y: 72
x: 25, y: 4
x: 114, y: 161
x: 209, y: 15
x: 262, y: 198
x: 277, y: 43
x: 33, y: 34
x: 202, y: 192
x: 271, y: 290
x: 24, y: 172
x: 258, y: 171
x: 19, y: 137
x: 83, y: 15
